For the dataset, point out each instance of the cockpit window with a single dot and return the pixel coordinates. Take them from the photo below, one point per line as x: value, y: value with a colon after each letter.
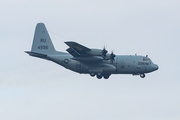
x: 145, y: 59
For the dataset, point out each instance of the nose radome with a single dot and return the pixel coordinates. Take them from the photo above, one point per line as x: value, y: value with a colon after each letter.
x: 156, y: 67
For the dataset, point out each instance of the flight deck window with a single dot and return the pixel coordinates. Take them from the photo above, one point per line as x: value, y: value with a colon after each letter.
x: 145, y: 59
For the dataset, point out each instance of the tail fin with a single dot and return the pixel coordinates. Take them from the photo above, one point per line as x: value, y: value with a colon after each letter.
x: 42, y: 43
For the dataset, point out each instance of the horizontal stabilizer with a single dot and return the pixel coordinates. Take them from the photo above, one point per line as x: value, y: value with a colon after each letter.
x: 36, y: 54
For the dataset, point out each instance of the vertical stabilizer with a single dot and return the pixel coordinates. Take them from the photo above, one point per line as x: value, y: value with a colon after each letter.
x: 42, y: 42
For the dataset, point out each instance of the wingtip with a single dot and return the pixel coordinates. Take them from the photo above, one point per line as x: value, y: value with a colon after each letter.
x: 69, y: 42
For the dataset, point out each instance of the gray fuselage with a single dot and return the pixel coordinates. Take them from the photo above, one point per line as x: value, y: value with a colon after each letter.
x: 122, y: 64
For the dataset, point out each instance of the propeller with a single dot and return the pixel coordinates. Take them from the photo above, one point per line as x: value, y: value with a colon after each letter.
x: 104, y: 52
x: 112, y: 56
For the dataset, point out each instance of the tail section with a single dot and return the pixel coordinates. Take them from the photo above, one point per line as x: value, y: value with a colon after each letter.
x: 42, y: 43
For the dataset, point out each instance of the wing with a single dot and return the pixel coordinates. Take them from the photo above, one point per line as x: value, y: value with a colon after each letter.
x: 82, y: 53
x: 77, y: 50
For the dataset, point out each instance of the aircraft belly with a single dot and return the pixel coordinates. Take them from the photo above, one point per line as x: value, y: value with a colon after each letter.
x: 128, y: 69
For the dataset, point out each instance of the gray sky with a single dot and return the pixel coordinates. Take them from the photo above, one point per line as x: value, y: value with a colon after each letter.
x: 34, y: 89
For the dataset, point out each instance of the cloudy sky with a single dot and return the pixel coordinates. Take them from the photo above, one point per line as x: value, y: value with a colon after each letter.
x: 35, y: 89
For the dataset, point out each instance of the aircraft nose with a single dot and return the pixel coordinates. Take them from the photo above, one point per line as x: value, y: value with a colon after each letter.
x: 155, y: 67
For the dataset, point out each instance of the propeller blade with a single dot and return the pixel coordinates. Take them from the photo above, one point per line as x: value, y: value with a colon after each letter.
x: 112, y: 56
x: 104, y: 52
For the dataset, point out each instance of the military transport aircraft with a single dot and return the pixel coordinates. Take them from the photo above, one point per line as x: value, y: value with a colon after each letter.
x: 83, y: 60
